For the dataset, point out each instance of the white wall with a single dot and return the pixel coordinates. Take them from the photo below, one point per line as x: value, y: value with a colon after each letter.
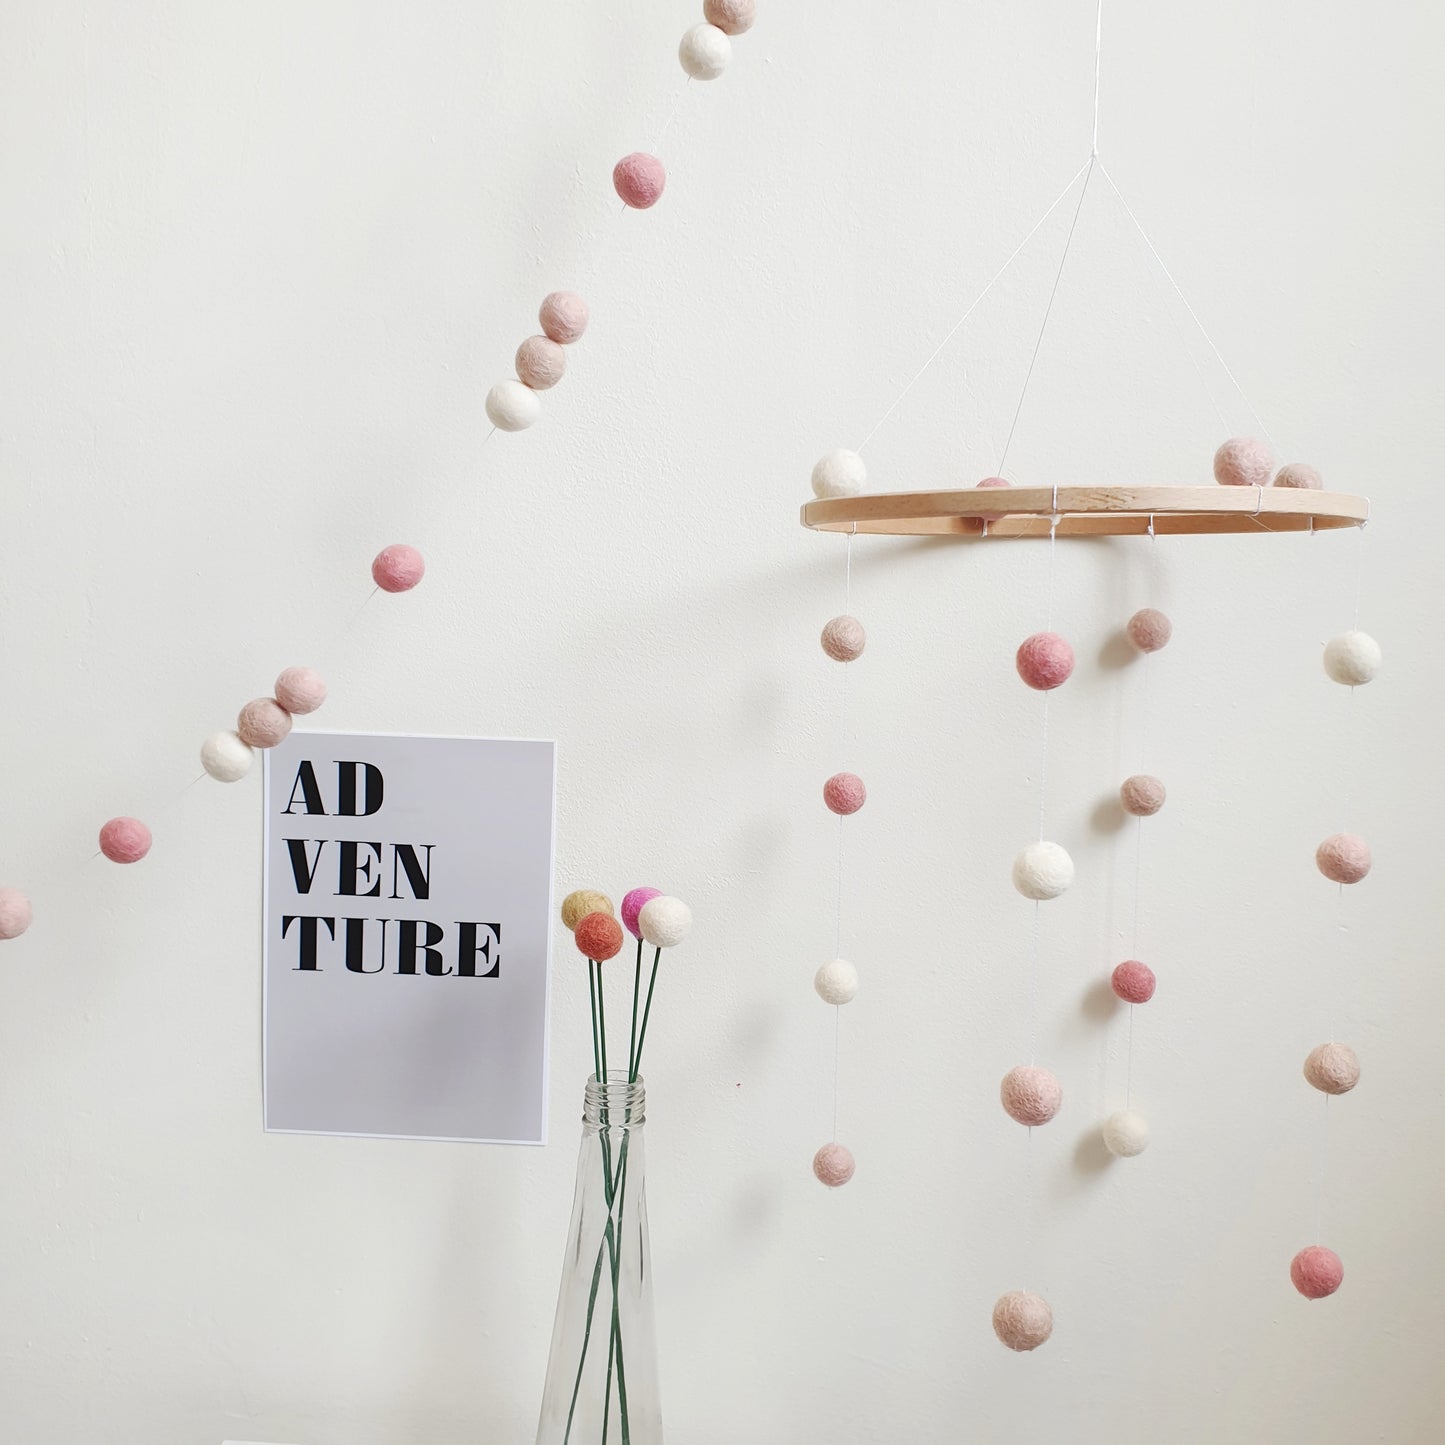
x: 260, y: 263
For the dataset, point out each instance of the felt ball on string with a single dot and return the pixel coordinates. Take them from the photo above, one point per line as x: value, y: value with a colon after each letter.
x: 1149, y: 629
x: 1141, y: 795
x: 1317, y: 1272
x: 836, y: 982
x: 579, y: 903
x: 599, y: 936
x: 125, y: 840
x: 1352, y: 658
x: 225, y: 757
x: 300, y: 690
x: 1343, y: 858
x: 563, y: 316
x: 1030, y: 1095
x: 639, y: 179
x: 1044, y: 661
x: 833, y: 1165
x: 1043, y: 871
x: 991, y: 482
x: 15, y: 913
x: 839, y: 474
x: 1244, y: 462
x: 1022, y: 1320
x: 664, y: 921
x: 1133, y: 981
x: 844, y: 639
x: 704, y: 52
x: 541, y: 362
x: 1299, y: 474
x: 1332, y: 1068
x: 844, y: 794
x: 732, y: 17
x: 1126, y: 1133
x: 632, y: 905
x: 263, y: 723
x: 512, y: 406
x: 397, y: 568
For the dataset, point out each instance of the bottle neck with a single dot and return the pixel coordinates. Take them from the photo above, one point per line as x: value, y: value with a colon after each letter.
x: 614, y: 1103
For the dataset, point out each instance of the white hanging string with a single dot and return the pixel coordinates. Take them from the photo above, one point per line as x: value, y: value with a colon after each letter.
x: 1098, y: 60
x: 838, y: 911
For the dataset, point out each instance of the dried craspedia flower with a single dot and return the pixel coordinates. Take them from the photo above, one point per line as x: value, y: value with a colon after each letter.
x: 576, y: 906
x: 599, y: 936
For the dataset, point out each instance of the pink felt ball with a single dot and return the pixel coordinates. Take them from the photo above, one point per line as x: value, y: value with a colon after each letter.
x: 300, y: 690
x: 1244, y: 462
x: 540, y: 362
x: 732, y: 17
x: 639, y: 179
x: 125, y: 840
x: 844, y: 793
x: 1044, y: 661
x: 397, y: 568
x: 599, y: 936
x: 1141, y: 795
x: 15, y: 914
x: 844, y: 639
x: 1343, y: 858
x: 1022, y: 1320
x: 563, y: 316
x: 833, y: 1165
x: 1030, y: 1095
x: 995, y: 482
x: 633, y: 904
x: 1133, y: 981
x: 263, y: 723
x: 1299, y: 474
x: 1316, y: 1271
x: 1149, y: 629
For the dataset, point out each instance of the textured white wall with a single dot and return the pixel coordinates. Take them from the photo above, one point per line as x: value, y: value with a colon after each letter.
x: 259, y: 264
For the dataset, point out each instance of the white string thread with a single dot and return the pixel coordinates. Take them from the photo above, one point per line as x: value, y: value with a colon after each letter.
x: 838, y: 911
x: 1098, y: 61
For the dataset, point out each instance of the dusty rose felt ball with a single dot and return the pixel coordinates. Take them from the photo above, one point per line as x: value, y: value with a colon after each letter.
x: 1332, y: 1068
x: 994, y: 482
x: 1316, y: 1271
x: 15, y: 913
x: 1343, y: 858
x: 1044, y: 661
x: 1141, y: 795
x: 639, y: 179
x: 1299, y: 474
x: 599, y: 936
x: 844, y: 793
x: 1149, y: 629
x: 1133, y: 981
x: 300, y: 690
x: 563, y: 316
x: 397, y: 568
x: 1244, y: 462
x: 125, y: 840
x: 541, y: 362
x: 732, y: 17
x: 263, y: 723
x: 1022, y: 1320
x: 1030, y: 1095
x: 580, y: 902
x: 633, y: 904
x: 844, y: 639
x: 833, y: 1165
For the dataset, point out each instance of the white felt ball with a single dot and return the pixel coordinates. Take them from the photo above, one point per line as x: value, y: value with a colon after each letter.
x: 836, y: 982
x: 705, y: 51
x: 1043, y: 870
x: 1126, y: 1133
x: 663, y: 921
x: 225, y: 757
x: 1352, y: 658
x: 839, y: 474
x: 512, y: 406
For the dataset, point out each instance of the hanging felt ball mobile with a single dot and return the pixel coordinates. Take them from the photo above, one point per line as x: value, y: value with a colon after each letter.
x: 1343, y: 858
x: 1244, y: 462
x: 1332, y: 1068
x: 225, y: 757
x: 598, y: 936
x: 664, y: 921
x: 563, y: 316
x: 1352, y: 658
x: 844, y: 639
x: 1030, y: 1095
x: 1126, y: 1133
x: 839, y: 474
x: 1022, y: 1320
x: 512, y: 406
x: 632, y: 904
x: 1316, y: 1271
x: 540, y: 362
x: 844, y: 794
x: 397, y: 568
x: 1044, y: 661
x: 300, y: 690
x: 639, y: 179
x: 263, y: 723
x: 1299, y: 474
x: 579, y: 903
x: 1142, y: 795
x: 1133, y: 981
x: 125, y: 840
x: 833, y: 1165
x: 1043, y: 871
x: 1149, y: 629
x: 732, y: 17
x: 836, y: 982
x: 15, y: 913
x: 704, y: 52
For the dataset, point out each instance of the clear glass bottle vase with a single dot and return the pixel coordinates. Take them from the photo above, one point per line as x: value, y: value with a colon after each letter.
x: 602, y: 1371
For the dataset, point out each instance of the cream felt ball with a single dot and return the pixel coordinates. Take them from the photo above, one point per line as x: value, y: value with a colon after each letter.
x: 844, y: 794
x: 1149, y: 629
x: 1030, y: 1095
x: 1126, y: 1133
x: 639, y: 179
x: 1352, y: 658
x: 541, y: 362
x: 1142, y: 796
x: 263, y: 723
x: 563, y: 316
x: 839, y: 474
x: 732, y: 17
x: 1317, y: 1272
x: 705, y: 51
x: 397, y: 568
x: 1299, y: 474
x: 225, y: 757
x: 125, y: 840
x: 15, y: 913
x: 1133, y: 981
x: 836, y: 982
x: 1044, y: 661
x: 1022, y: 1320
x: 512, y: 406
x: 579, y: 903
x: 664, y: 921
x: 1332, y: 1068
x: 633, y: 903
x: 844, y: 639
x: 1042, y: 871
x: 300, y: 690
x: 833, y: 1165
x: 598, y: 936
x: 1244, y: 462
x: 1343, y: 858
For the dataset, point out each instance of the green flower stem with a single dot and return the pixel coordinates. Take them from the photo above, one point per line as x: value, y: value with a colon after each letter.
x: 636, y: 989
x: 646, y: 1014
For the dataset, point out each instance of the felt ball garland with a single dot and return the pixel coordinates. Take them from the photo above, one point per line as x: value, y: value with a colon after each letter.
x: 125, y: 840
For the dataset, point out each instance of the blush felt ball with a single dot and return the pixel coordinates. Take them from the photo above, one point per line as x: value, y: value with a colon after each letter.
x: 1316, y: 1271
x: 263, y: 723
x: 125, y: 840
x: 599, y: 936
x: 639, y: 179
x: 1044, y: 661
x: 1299, y: 474
x: 1149, y: 629
x: 397, y: 568
x: 563, y: 316
x: 844, y: 639
x: 1343, y: 858
x: 1030, y: 1095
x: 300, y: 690
x: 1022, y: 1320
x: 833, y: 1165
x: 541, y: 362
x: 1332, y: 1068
x: 1142, y: 795
x: 732, y: 17
x: 15, y: 914
x: 844, y: 794
x: 1133, y: 981
x: 1243, y: 462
